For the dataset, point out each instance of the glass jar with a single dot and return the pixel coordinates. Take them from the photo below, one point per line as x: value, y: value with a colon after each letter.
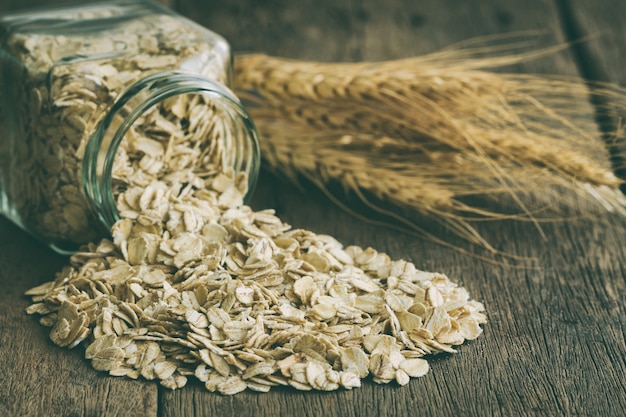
x: 95, y: 98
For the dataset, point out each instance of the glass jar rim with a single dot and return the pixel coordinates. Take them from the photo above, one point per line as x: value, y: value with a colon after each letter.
x: 97, y: 168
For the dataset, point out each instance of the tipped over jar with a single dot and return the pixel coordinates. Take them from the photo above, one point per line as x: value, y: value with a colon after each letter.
x: 99, y: 97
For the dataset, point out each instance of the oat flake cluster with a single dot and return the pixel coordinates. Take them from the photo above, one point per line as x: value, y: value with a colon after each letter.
x: 195, y: 283
x: 68, y: 85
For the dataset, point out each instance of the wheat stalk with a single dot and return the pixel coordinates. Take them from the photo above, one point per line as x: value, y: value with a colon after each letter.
x: 427, y: 132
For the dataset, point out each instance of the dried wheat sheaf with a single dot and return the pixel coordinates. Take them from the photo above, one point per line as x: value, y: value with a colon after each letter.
x: 435, y: 134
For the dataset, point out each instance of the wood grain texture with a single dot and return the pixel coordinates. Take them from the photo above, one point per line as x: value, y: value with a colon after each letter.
x: 555, y: 341
x: 355, y: 30
x: 600, y: 57
x: 603, y: 24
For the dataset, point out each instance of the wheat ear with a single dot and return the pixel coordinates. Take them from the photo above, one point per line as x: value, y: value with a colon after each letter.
x: 427, y: 132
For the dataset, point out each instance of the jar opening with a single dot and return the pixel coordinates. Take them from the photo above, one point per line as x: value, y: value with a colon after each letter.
x: 167, y: 124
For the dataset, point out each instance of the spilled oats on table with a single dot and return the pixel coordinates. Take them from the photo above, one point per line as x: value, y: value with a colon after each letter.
x: 191, y: 281
x: 195, y: 283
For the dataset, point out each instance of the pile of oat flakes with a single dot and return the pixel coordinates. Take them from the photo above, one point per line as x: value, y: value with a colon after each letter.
x: 193, y: 282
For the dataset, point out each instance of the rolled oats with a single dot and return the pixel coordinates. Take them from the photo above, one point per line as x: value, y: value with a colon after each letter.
x: 67, y: 83
x: 193, y: 282
x: 239, y: 301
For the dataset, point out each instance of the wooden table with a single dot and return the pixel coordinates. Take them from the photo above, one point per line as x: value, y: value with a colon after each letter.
x: 555, y: 341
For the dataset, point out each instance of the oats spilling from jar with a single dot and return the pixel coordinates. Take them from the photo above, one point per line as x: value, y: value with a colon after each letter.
x: 67, y: 84
x: 194, y: 283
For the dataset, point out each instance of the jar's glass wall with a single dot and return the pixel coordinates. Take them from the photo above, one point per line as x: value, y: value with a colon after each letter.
x: 13, y: 181
x: 188, y: 130
x: 65, y: 73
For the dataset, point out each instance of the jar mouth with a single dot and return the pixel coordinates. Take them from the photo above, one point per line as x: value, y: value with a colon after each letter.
x: 241, y: 147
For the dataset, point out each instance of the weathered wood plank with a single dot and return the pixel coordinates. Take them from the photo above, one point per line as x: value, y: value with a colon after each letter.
x: 602, y: 26
x: 373, y: 30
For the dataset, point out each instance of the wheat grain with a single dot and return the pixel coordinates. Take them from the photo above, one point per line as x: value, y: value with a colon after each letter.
x: 426, y: 132
x: 499, y: 114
